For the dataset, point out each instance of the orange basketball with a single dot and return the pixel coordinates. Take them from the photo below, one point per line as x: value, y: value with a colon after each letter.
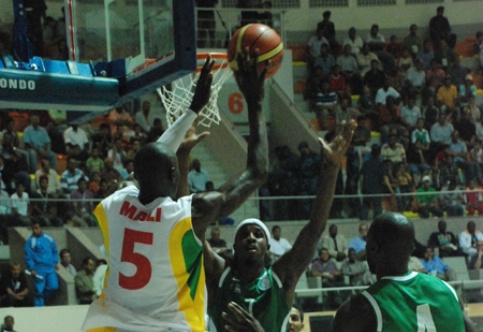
x: 259, y: 37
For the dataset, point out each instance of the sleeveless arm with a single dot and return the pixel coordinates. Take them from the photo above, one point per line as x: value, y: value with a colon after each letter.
x: 208, y: 208
x: 355, y: 315
x: 299, y: 257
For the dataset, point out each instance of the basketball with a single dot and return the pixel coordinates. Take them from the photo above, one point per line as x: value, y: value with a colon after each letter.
x: 259, y: 37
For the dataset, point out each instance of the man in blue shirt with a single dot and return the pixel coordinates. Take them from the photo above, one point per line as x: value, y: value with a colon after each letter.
x: 435, y: 266
x: 359, y: 243
x: 37, y: 143
x: 41, y: 257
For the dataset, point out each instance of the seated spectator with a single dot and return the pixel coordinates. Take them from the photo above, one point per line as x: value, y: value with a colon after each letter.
x: 405, y: 62
x: 66, y: 260
x: 365, y: 59
x: 127, y: 172
x: 415, y: 78
x: 103, y: 139
x: 331, y: 276
x: 476, y: 260
x: 445, y: 55
x: 433, y: 265
x: 314, y: 44
x: 357, y: 271
x: 20, y: 203
x: 216, y: 242
x: 345, y: 112
x: 448, y: 95
x: 420, y: 134
x: 431, y: 113
x: 197, y: 177
x: 445, y: 241
x: 418, y: 160
x: 14, y: 287
x: 110, y: 174
x: 11, y: 144
x: 435, y: 76
x: 82, y: 206
x: 387, y: 91
x: 325, y: 104
x: 452, y: 200
x: 84, y: 283
x: 117, y: 153
x: 278, y: 244
x: 145, y: 117
x: 94, y: 163
x: 70, y: 176
x: 354, y: 41
x: 474, y: 110
x: 375, y: 39
x: 44, y: 207
x: 336, y: 244
x: 466, y: 128
x: 75, y: 136
x: 441, y: 131
x: 427, y: 200
x: 467, y: 90
x: 390, y: 118
x: 479, y: 130
x: 325, y: 60
x: 412, y: 41
x: 405, y: 184
x: 54, y: 186
x: 374, y: 78
x: 37, y: 143
x: 12, y: 164
x: 119, y: 120
x: 156, y: 131
x: 393, y: 151
x: 426, y: 54
x: 99, y: 276
x: 457, y: 73
x: 448, y: 171
x: 474, y: 199
x: 468, y: 240
x: 359, y: 242
x: 410, y: 113
x: 337, y: 81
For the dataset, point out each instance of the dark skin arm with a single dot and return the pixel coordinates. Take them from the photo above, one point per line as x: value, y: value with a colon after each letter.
x: 299, y: 257
x: 355, y: 315
x: 210, y: 206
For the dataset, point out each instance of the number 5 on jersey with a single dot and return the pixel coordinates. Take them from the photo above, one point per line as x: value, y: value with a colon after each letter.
x: 143, y: 266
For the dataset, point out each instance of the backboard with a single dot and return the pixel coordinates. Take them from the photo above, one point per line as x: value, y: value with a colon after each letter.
x: 142, y: 43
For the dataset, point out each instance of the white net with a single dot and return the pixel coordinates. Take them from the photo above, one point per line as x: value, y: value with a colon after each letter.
x: 177, y: 98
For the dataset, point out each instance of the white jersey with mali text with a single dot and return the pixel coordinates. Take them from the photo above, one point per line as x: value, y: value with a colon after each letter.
x: 155, y: 280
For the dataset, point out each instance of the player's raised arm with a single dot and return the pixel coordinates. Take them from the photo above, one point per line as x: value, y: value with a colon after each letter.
x: 208, y: 207
x: 299, y: 257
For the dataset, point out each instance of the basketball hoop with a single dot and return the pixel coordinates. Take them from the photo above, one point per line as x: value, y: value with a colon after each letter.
x: 177, y: 99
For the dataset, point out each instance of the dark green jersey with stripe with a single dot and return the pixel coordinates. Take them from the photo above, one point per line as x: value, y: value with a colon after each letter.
x: 415, y: 302
x: 263, y: 297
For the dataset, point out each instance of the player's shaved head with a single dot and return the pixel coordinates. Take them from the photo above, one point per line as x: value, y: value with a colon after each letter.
x: 156, y: 170
x: 390, y: 242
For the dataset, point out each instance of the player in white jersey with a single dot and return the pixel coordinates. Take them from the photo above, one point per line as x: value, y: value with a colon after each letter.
x: 155, y: 280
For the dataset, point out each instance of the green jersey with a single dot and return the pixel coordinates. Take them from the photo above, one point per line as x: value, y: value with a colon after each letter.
x: 415, y: 302
x: 263, y: 297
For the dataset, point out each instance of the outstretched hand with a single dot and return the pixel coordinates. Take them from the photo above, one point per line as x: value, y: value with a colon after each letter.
x: 242, y: 321
x: 192, y: 138
x: 335, y: 151
x: 249, y: 79
x: 203, y: 87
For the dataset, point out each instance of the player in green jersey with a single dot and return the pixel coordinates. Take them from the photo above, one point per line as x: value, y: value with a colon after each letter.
x: 268, y: 293
x: 400, y: 300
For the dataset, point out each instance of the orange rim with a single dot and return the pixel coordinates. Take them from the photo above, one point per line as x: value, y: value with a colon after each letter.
x: 215, y: 56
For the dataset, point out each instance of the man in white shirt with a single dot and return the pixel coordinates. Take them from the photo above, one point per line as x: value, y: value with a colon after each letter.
x: 314, y: 43
x: 410, y: 113
x: 76, y: 136
x: 354, y: 41
x: 197, y: 178
x: 278, y: 244
x: 386, y: 91
x: 469, y: 239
